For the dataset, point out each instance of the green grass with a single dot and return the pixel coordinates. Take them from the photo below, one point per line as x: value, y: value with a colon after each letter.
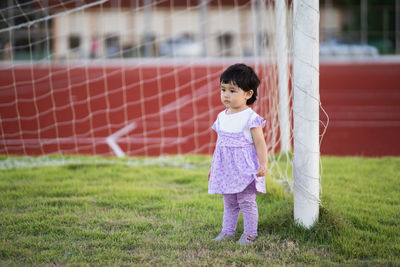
x: 116, y: 215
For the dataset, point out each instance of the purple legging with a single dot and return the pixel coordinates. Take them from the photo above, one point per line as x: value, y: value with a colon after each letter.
x: 246, y: 203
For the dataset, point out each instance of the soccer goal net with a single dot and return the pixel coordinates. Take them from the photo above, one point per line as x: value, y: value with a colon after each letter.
x: 117, y: 78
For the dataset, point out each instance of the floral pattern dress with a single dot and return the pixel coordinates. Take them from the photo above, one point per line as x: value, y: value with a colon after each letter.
x: 234, y: 165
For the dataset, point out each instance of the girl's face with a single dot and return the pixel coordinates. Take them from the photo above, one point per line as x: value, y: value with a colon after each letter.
x: 233, y: 97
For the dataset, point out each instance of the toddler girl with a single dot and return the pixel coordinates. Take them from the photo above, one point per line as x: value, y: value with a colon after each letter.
x: 240, y: 158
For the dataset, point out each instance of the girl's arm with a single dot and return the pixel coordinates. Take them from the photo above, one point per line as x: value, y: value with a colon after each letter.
x: 261, y: 149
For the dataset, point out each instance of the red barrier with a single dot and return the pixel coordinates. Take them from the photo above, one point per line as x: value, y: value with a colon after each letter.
x: 363, y: 104
x: 362, y: 101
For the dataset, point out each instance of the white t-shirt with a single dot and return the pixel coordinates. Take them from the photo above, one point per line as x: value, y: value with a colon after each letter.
x: 235, y: 122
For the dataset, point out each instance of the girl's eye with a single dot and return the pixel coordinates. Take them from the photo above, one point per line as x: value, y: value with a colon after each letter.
x: 233, y: 91
x: 222, y: 89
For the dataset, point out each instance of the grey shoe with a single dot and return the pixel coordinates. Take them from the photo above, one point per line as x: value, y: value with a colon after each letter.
x: 246, y: 239
x: 221, y: 237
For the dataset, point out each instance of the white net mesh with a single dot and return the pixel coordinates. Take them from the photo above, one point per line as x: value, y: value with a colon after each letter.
x: 130, y: 78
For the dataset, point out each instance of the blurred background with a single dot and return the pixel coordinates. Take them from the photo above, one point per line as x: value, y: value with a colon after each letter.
x: 75, y: 73
x: 133, y: 28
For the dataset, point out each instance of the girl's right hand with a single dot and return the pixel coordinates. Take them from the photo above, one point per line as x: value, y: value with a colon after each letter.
x: 262, y: 170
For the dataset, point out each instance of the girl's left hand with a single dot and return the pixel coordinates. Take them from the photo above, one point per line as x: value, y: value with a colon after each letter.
x: 262, y: 171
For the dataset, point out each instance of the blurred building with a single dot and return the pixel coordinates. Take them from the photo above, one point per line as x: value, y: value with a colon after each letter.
x: 159, y: 29
x: 183, y: 28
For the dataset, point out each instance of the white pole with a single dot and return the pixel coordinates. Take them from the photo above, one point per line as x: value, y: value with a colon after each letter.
x: 283, y: 68
x: 261, y: 27
x: 255, y: 27
x: 306, y: 111
x: 258, y: 9
x: 203, y: 25
x: 147, y: 29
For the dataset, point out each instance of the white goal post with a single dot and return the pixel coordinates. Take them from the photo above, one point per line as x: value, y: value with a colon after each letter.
x: 306, y: 111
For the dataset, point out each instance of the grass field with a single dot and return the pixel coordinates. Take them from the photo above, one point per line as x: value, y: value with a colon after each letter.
x: 147, y: 215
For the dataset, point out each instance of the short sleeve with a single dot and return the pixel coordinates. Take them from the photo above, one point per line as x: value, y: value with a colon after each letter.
x: 256, y: 122
x: 214, y: 126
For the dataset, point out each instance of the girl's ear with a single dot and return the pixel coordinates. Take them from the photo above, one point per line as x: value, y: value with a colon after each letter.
x: 249, y: 94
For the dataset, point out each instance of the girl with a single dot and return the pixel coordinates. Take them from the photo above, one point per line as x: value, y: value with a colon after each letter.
x: 240, y: 158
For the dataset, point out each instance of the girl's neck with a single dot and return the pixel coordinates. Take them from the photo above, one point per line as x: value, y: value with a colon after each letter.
x: 233, y: 111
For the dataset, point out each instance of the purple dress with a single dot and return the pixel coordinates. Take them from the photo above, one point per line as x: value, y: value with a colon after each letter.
x: 234, y: 165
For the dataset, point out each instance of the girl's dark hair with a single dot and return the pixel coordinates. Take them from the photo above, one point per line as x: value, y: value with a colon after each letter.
x: 242, y: 76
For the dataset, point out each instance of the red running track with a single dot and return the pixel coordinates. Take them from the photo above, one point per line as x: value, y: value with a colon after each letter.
x: 83, y: 105
x: 363, y: 103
